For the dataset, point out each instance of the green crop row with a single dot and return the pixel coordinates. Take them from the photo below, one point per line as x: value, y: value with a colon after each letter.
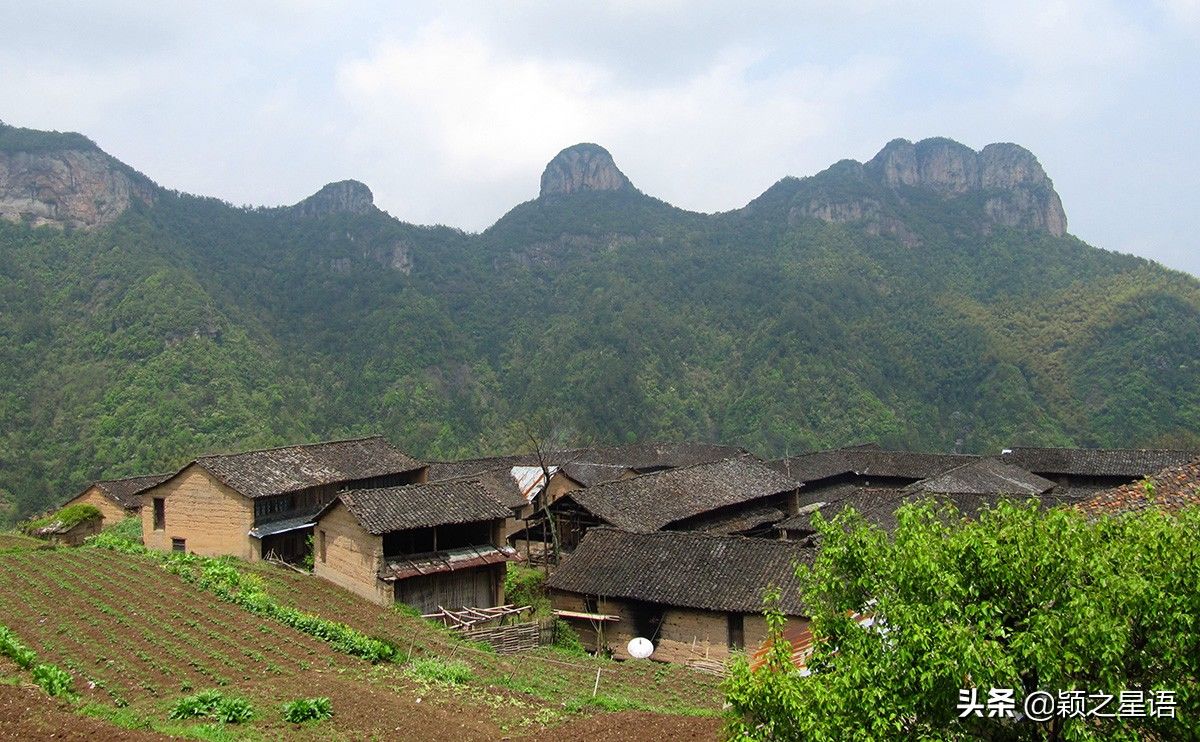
x: 51, y: 678
x: 220, y: 577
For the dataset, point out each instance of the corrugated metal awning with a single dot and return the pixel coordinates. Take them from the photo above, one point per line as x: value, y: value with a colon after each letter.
x: 451, y: 560
x: 281, y: 526
x: 531, y: 479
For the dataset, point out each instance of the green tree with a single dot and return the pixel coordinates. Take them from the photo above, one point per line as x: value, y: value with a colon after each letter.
x: 1017, y: 598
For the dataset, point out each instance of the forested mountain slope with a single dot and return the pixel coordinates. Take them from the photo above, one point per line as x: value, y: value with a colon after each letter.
x: 929, y: 298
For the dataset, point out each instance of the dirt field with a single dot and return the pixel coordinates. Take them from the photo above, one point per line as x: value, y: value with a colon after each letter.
x: 10, y: 540
x: 137, y: 638
x: 26, y: 713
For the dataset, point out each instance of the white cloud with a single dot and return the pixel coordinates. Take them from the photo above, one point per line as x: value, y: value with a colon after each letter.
x: 711, y: 140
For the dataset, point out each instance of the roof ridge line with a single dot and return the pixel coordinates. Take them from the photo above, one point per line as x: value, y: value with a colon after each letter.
x: 290, y: 445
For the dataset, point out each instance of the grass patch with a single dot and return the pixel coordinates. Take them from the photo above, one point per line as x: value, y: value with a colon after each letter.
x: 438, y: 670
x: 129, y: 719
x: 612, y: 702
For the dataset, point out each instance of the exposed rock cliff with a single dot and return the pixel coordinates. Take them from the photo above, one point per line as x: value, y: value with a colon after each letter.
x: 1013, y: 188
x: 64, y: 180
x: 342, y: 197
x: 583, y: 167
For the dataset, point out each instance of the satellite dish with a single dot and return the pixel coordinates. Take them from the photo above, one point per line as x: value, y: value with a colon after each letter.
x: 640, y: 647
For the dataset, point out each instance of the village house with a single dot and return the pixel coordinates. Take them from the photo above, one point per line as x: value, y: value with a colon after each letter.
x: 695, y: 596
x: 739, y: 495
x: 258, y: 504
x: 1082, y: 472
x: 432, y: 545
x: 117, y: 499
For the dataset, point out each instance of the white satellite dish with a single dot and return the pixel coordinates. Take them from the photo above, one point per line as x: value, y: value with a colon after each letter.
x: 640, y: 647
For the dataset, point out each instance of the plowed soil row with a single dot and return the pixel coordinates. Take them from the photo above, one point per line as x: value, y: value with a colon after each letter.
x: 143, y: 637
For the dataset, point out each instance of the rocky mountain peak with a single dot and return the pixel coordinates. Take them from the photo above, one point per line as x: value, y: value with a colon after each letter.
x: 583, y: 167
x: 342, y: 197
x: 1014, y: 189
x: 64, y: 180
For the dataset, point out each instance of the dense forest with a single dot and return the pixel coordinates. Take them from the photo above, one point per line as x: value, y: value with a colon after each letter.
x: 189, y: 325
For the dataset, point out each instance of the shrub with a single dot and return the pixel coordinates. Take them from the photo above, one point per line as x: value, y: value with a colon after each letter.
x: 435, y: 669
x: 307, y: 709
x: 202, y: 704
x: 115, y: 541
x: 52, y: 679
x: 567, y: 639
x: 524, y: 586
x: 233, y: 711
x: 129, y: 529
x: 308, y: 561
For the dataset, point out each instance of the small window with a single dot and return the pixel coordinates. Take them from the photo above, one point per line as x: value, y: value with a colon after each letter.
x: 321, y: 543
x: 178, y: 544
x: 590, y: 604
x: 737, y: 631
x: 160, y: 513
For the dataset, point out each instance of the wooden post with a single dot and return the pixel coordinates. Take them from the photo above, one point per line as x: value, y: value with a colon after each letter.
x: 596, y: 687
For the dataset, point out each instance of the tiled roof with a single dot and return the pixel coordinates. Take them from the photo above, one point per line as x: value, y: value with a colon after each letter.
x: 652, y: 501
x: 984, y: 477
x: 127, y: 492
x: 390, y: 509
x: 501, y: 486
x: 275, y: 471
x: 597, y: 463
x: 879, y: 505
x: 739, y: 520
x: 691, y: 570
x: 439, y: 470
x: 867, y: 461
x: 1097, y: 462
x: 589, y: 475
x: 1171, y: 489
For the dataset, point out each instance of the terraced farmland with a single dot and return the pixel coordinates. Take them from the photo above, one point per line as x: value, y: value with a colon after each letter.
x: 136, y: 639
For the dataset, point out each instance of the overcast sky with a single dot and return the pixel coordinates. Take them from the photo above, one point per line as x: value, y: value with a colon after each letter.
x: 449, y: 111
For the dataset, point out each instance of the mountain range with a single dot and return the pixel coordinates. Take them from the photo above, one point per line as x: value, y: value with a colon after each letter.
x: 930, y: 298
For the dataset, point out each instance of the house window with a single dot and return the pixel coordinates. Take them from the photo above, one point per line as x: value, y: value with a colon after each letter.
x: 178, y: 544
x: 321, y: 544
x: 160, y: 513
x: 590, y: 604
x: 737, y: 630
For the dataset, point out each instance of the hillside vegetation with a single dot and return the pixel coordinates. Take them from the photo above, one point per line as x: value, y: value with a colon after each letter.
x: 189, y: 325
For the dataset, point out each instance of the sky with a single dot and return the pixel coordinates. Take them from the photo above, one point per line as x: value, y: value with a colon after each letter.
x: 450, y: 110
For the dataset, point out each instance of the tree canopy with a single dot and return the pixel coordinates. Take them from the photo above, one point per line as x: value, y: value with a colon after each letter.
x: 1039, y: 602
